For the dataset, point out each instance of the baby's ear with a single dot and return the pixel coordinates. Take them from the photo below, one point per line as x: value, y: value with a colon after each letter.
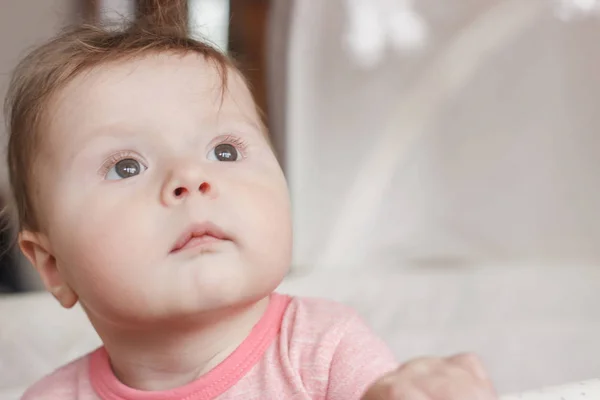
x: 36, y: 248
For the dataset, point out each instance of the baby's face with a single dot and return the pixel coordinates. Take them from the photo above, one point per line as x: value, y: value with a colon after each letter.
x: 138, y: 157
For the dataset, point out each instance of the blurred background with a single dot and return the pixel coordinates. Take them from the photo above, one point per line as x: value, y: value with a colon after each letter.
x: 445, y: 151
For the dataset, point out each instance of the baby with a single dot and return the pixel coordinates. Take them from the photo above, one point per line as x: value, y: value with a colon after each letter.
x: 147, y: 192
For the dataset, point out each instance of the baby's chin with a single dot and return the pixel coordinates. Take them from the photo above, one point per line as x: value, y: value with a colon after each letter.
x: 230, y: 281
x: 184, y: 290
x: 217, y: 282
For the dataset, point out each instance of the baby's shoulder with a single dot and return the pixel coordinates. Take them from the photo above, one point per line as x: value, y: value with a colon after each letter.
x: 319, y: 319
x: 62, y: 384
x: 319, y: 309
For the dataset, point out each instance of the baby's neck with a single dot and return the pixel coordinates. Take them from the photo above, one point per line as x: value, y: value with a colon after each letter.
x: 173, y: 358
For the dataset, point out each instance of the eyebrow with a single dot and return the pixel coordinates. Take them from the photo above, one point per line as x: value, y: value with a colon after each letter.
x: 115, y: 130
x: 239, y: 120
x: 110, y: 132
x: 242, y: 126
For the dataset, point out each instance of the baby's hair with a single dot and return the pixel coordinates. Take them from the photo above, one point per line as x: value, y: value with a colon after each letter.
x: 50, y: 67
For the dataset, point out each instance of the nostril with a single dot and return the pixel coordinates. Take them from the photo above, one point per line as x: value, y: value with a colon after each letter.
x: 179, y: 192
x: 204, y: 187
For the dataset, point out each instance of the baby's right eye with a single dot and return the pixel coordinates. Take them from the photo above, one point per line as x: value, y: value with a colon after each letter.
x: 125, y: 168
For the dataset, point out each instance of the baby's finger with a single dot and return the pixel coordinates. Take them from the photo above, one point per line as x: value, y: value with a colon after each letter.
x: 471, y: 363
x: 391, y: 388
x: 420, y: 367
x: 453, y: 382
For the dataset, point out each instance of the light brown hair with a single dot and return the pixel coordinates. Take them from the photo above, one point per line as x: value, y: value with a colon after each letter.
x: 48, y: 68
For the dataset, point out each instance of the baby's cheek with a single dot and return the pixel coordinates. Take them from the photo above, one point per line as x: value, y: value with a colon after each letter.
x: 270, y: 222
x: 106, y: 265
x: 267, y: 204
x: 99, y: 236
x: 119, y: 238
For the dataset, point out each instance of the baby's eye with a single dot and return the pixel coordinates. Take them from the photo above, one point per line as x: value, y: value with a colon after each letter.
x: 224, y: 152
x: 125, y: 168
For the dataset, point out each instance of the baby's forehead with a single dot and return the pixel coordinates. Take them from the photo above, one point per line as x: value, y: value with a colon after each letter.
x: 159, y: 92
x: 188, y: 74
x: 156, y: 82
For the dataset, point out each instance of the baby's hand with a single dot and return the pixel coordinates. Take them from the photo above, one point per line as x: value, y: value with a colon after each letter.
x: 461, y: 377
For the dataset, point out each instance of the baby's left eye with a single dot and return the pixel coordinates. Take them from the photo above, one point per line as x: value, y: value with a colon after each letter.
x: 224, y: 152
x: 125, y: 168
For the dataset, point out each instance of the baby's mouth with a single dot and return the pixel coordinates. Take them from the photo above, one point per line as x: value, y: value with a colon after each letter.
x: 199, y: 235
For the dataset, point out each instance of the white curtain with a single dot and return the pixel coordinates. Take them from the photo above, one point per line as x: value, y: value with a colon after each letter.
x: 473, y: 137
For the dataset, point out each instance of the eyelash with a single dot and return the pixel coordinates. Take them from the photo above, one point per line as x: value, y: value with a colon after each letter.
x: 240, y: 144
x: 115, y: 158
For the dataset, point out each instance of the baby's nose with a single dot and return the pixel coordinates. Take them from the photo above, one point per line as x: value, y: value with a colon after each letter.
x: 183, y: 182
x: 181, y: 191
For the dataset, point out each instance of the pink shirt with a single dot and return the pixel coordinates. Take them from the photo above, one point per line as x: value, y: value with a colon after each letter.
x: 300, y: 349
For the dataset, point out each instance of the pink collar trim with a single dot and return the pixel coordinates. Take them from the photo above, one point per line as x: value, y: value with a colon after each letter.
x: 212, y: 384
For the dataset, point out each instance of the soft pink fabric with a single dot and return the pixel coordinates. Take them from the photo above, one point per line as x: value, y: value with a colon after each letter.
x: 300, y: 349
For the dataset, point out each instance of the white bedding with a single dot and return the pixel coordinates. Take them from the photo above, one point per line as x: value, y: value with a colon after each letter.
x: 534, y: 327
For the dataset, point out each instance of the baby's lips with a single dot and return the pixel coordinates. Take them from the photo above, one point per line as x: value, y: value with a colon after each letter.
x: 199, y: 230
